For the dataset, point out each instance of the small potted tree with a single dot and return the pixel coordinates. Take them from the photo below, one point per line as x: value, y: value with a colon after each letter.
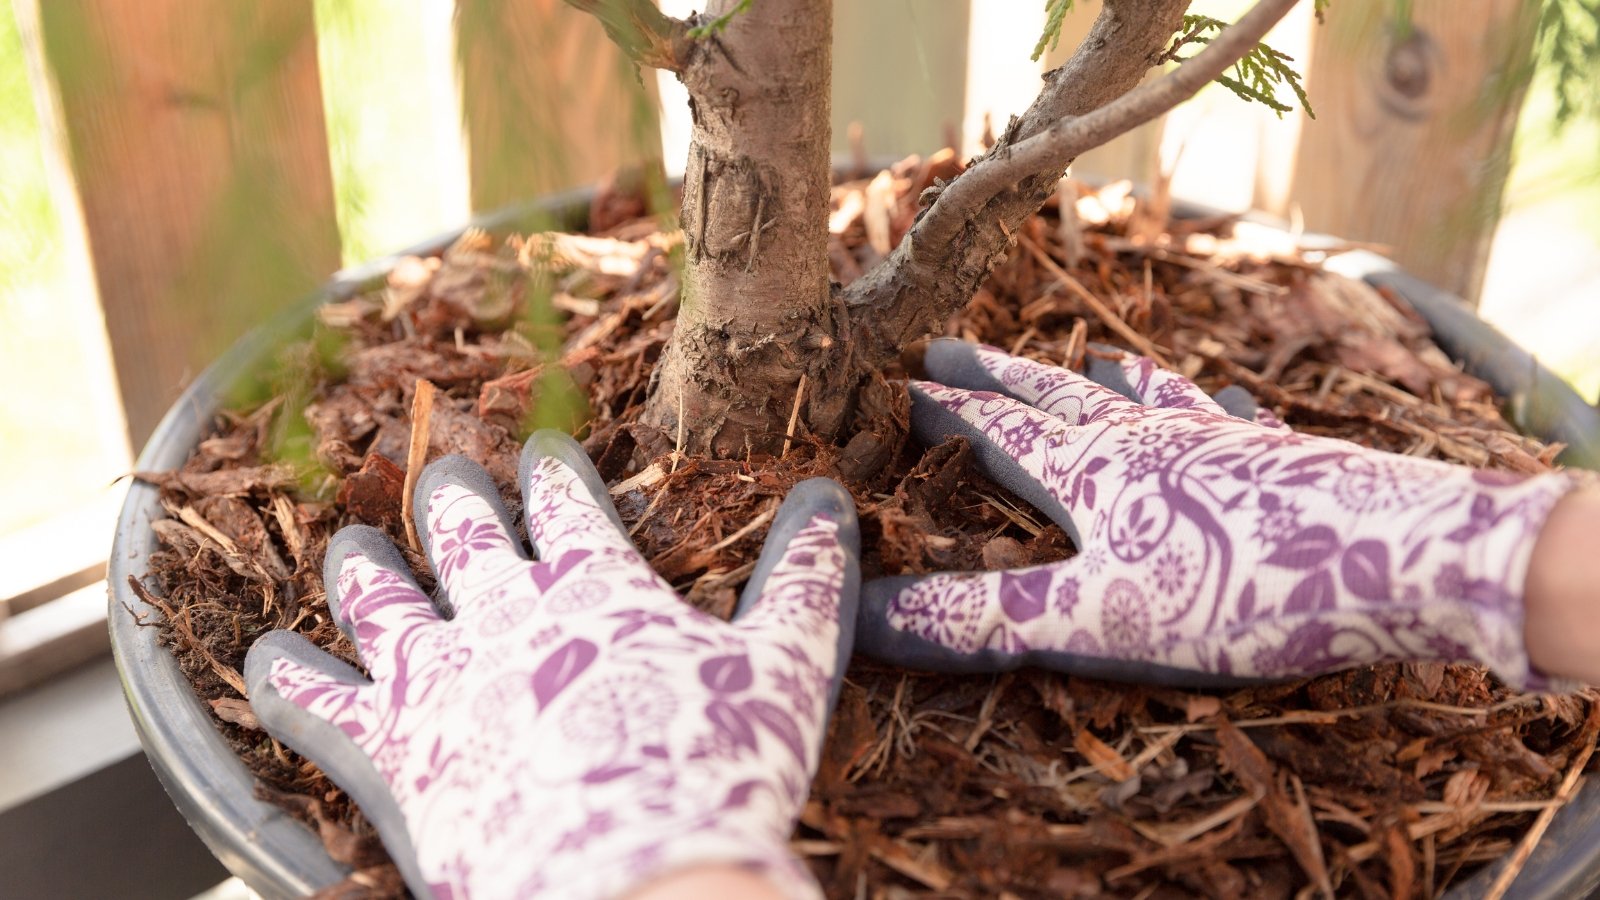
x: 767, y: 349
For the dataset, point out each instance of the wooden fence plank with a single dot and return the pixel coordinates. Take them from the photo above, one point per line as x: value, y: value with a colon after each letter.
x: 899, y: 69
x: 194, y: 135
x: 548, y: 101
x: 1411, y: 144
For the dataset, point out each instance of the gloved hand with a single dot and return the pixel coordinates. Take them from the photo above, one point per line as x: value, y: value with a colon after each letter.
x: 568, y: 725
x: 1211, y: 549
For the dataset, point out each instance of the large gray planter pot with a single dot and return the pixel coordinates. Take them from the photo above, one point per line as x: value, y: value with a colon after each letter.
x: 278, y: 856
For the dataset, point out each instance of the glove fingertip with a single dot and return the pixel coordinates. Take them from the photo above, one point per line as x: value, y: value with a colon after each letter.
x: 806, y: 501
x: 823, y: 562
x: 874, y: 635
x: 280, y: 644
x: 325, y: 741
x: 825, y: 497
x: 879, y: 639
x: 548, y: 443
x: 456, y: 469
x: 259, y: 658
x: 372, y: 545
x: 1237, y: 402
x: 1110, y: 374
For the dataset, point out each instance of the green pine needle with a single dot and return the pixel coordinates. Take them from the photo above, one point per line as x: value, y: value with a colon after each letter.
x: 1257, y: 76
x: 1055, y: 12
x: 1250, y: 93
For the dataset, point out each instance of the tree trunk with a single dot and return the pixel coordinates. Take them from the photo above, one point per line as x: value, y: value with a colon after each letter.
x: 763, y: 340
x: 757, y: 314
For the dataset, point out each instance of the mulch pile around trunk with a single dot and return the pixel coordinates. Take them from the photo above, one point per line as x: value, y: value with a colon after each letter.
x: 1393, y: 780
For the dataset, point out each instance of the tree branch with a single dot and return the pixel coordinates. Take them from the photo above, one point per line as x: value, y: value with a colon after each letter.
x: 942, y: 260
x: 647, y: 35
x: 1057, y: 146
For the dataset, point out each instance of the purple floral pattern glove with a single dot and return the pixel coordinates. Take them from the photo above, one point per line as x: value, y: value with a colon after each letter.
x: 1211, y: 548
x: 569, y: 726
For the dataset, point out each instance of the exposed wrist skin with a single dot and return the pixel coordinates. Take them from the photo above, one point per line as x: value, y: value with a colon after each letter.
x: 1562, y: 596
x: 716, y: 882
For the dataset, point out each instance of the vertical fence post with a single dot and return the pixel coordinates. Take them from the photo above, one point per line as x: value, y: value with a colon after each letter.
x: 549, y: 101
x: 194, y: 137
x: 1411, y: 144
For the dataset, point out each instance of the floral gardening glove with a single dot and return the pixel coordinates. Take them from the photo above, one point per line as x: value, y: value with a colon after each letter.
x: 1211, y: 549
x: 568, y: 726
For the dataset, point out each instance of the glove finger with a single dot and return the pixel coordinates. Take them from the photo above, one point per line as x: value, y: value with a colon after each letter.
x: 322, y: 709
x: 466, y: 531
x: 1060, y: 392
x: 1139, y: 379
x: 954, y: 622
x: 567, y: 504
x: 807, y: 580
x: 1241, y: 404
x: 290, y: 679
x: 998, y: 621
x: 1008, y: 437
x: 1148, y: 383
x: 372, y: 595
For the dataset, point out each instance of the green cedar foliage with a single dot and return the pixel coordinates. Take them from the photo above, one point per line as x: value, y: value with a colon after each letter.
x: 1567, y: 46
x: 1256, y: 77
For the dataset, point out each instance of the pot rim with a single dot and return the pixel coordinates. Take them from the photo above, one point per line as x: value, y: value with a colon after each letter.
x: 278, y: 856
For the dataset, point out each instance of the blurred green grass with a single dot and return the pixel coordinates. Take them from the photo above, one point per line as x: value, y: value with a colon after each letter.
x: 392, y: 149
x: 1557, y: 170
x: 28, y: 254
x: 393, y: 133
x: 1543, y: 288
x: 399, y: 171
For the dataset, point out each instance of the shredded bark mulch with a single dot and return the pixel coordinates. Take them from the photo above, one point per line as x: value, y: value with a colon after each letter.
x: 1392, y: 781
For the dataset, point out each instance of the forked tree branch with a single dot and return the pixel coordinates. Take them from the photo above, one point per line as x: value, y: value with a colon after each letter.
x: 645, y: 33
x: 942, y: 260
x: 1057, y: 146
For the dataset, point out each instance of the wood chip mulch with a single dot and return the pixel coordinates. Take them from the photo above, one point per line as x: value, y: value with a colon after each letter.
x: 1386, y: 781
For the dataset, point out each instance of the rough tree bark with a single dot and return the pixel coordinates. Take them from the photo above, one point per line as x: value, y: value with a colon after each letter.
x: 761, y: 333
x: 757, y: 314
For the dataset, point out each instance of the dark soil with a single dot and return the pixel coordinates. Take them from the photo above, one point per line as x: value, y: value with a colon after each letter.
x: 1393, y: 780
